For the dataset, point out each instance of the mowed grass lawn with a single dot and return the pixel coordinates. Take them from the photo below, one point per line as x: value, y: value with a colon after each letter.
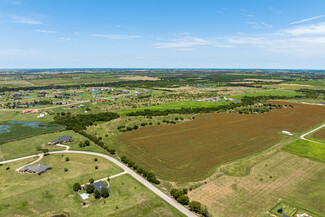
x: 192, y: 150
x: 51, y: 192
x: 307, y: 149
x: 34, y: 145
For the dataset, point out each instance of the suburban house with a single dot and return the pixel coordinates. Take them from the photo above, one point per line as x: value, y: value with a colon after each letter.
x: 61, y: 139
x: 38, y: 169
x: 98, y: 186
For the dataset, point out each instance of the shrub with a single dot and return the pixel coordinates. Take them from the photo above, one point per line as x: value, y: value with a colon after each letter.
x: 90, y: 189
x: 97, y: 194
x: 195, y: 206
x: 96, y: 167
x: 183, y: 199
x: 67, y: 159
x: 76, y: 186
x: 66, y: 169
x: 95, y: 159
x: 91, y: 180
x: 104, y: 192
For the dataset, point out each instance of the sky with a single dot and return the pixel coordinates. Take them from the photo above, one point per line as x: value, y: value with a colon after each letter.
x: 270, y: 34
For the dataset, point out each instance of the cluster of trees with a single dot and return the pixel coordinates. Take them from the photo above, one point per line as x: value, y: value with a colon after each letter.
x: 80, y: 122
x: 91, y: 189
x: 151, y: 177
x: 311, y: 93
x: 149, y: 113
x: 97, y: 140
x: 182, y: 198
x: 84, y: 144
x: 256, y: 109
x: 250, y: 100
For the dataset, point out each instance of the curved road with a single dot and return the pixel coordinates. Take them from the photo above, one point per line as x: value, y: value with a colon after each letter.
x: 303, y: 136
x: 166, y: 198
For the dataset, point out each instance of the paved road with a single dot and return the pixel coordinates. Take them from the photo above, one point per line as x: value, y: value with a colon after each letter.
x: 303, y: 136
x: 166, y: 198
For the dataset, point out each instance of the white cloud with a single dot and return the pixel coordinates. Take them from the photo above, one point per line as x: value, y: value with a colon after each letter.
x: 46, y: 31
x: 259, y: 25
x: 25, y: 20
x: 65, y: 38
x: 304, y: 30
x: 308, y: 19
x: 189, y: 42
x: 114, y: 36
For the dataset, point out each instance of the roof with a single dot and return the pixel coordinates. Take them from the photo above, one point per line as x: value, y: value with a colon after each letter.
x: 99, y: 185
x: 38, y: 168
x: 62, y: 139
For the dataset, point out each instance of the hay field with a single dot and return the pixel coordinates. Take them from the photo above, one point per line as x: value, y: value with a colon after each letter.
x: 256, y: 193
x: 191, y: 151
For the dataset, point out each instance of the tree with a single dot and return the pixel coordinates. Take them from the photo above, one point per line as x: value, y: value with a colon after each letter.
x: 87, y: 143
x: 104, y: 192
x: 76, y: 186
x: 95, y: 159
x: 65, y: 169
x: 81, y: 144
x: 97, y: 194
x: 183, y: 199
x: 91, y: 180
x: 90, y: 189
x: 96, y: 167
x: 195, y: 206
x: 67, y: 159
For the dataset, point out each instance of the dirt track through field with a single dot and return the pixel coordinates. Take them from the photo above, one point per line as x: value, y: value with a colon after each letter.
x: 189, y: 151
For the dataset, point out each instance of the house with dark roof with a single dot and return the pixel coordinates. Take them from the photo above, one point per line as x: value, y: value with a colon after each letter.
x: 38, y: 169
x: 98, y: 186
x: 61, y: 139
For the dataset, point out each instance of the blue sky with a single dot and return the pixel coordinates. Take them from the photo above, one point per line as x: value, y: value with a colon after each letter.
x: 162, y: 34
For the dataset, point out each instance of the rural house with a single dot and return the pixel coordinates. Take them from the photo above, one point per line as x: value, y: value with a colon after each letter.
x: 38, y: 169
x: 98, y: 186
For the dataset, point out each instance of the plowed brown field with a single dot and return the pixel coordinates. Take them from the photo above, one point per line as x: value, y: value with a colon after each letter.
x: 320, y: 134
x: 189, y: 151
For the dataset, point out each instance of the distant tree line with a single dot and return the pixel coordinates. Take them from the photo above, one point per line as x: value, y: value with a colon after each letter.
x: 311, y: 93
x: 245, y: 101
x: 80, y: 122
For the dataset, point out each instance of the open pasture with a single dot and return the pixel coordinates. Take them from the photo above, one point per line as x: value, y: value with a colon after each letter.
x: 35, y: 144
x: 280, y: 176
x: 51, y: 193
x: 192, y: 150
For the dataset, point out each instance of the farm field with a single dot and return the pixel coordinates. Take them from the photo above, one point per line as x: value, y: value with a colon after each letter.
x: 280, y: 176
x: 191, y: 151
x: 35, y: 144
x: 320, y: 134
x: 53, y: 190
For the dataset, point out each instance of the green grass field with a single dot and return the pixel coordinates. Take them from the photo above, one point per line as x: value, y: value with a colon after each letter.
x: 51, y: 192
x: 33, y: 145
x: 306, y: 149
x: 268, y: 93
x: 19, y: 131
